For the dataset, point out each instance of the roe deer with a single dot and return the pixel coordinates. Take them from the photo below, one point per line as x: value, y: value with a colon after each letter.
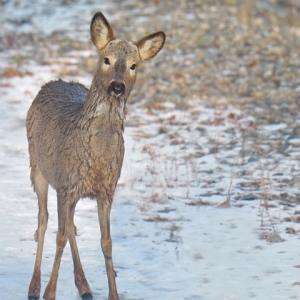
x: 75, y: 141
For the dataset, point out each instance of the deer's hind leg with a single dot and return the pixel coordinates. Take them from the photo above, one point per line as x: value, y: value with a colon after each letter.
x: 63, y: 212
x: 40, y: 186
x: 80, y: 279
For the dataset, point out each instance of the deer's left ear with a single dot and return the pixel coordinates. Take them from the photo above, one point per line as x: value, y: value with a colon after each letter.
x: 101, y: 32
x: 150, y: 45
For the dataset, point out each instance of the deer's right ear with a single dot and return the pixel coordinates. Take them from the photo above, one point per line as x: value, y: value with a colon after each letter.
x: 101, y: 32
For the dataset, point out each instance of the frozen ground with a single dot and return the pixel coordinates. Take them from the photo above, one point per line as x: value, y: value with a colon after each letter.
x: 171, y: 241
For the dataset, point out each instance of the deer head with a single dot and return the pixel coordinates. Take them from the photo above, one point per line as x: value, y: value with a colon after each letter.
x: 119, y: 59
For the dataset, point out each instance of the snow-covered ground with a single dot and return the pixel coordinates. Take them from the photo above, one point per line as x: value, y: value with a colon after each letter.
x: 170, y: 238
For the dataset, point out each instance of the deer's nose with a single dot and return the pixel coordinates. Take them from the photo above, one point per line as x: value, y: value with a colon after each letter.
x: 117, y: 88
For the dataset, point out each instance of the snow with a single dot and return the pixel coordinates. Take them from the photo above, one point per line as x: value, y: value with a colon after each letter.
x: 165, y: 246
x: 43, y: 17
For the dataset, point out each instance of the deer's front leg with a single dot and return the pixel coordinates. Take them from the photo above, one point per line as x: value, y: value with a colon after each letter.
x: 80, y: 279
x: 104, y: 207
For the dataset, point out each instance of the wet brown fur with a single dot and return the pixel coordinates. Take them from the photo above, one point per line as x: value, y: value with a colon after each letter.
x: 75, y: 138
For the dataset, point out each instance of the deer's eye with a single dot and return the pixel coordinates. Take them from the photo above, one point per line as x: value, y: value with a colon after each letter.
x: 133, y: 67
x: 106, y: 61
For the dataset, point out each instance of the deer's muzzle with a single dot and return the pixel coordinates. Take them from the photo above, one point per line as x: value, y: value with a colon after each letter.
x: 116, y: 88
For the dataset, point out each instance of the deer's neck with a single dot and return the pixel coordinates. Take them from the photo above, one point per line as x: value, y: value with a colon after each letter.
x: 102, y: 109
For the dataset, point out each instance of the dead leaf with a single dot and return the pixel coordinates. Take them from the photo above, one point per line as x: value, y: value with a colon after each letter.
x: 290, y: 230
x: 178, y: 75
x: 268, y: 205
x: 199, y: 202
x: 225, y: 204
x: 156, y: 218
x: 231, y: 116
x: 295, y: 219
x: 172, y: 118
x: 149, y: 111
x: 11, y: 72
x: 159, y: 106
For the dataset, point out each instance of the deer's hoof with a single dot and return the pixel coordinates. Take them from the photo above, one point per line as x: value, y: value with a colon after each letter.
x: 87, y: 296
x: 33, y: 297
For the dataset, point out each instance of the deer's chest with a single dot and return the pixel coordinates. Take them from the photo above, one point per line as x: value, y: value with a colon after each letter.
x: 99, y: 167
x: 106, y: 145
x: 107, y: 152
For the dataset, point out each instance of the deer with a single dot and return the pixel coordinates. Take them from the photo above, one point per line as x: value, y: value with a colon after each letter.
x: 76, y: 145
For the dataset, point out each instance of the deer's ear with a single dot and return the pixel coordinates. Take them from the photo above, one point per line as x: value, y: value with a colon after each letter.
x: 101, y: 32
x: 150, y: 45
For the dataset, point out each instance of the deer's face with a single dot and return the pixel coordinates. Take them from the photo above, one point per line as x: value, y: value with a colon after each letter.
x: 118, y: 64
x: 119, y: 59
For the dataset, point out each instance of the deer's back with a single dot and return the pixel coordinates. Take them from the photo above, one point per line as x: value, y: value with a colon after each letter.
x: 54, y: 111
